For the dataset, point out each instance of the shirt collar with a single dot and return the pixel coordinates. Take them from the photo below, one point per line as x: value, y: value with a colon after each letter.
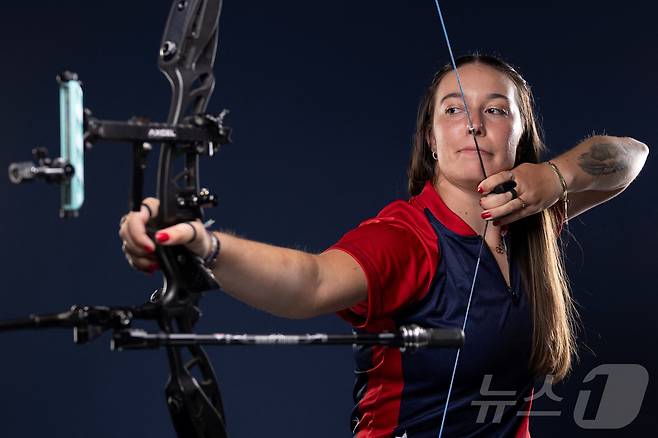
x: 429, y: 198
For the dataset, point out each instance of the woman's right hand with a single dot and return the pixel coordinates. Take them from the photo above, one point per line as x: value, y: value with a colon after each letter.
x: 139, y: 248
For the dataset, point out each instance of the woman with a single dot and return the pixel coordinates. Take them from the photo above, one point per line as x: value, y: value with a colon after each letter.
x: 415, y: 261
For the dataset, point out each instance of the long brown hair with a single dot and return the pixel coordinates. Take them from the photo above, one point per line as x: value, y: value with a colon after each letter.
x: 538, y: 254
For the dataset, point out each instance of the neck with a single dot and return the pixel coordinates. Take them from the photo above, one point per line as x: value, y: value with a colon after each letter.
x: 465, y: 202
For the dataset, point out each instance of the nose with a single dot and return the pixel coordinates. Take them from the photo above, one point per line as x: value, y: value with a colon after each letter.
x: 476, y: 129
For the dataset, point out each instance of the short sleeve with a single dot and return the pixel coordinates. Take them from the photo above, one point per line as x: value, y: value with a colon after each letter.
x: 398, y: 252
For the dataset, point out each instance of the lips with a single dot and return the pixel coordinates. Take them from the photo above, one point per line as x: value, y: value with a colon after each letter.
x: 472, y: 149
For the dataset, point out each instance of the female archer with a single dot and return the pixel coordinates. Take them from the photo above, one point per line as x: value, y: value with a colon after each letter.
x: 480, y: 194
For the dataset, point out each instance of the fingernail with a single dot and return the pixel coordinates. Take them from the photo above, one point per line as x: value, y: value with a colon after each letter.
x: 486, y: 215
x: 148, y: 249
x: 496, y: 223
x: 480, y: 189
x: 153, y: 267
x: 161, y: 237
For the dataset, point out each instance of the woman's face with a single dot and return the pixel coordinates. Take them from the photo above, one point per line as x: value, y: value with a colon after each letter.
x: 492, y: 102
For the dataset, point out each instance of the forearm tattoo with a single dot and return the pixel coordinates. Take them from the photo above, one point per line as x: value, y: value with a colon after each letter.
x: 604, y: 159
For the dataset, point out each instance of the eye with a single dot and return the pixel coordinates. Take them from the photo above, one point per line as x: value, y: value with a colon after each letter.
x: 497, y: 111
x: 452, y: 110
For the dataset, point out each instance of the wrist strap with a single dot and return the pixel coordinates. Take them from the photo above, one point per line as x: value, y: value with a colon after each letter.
x: 563, y: 183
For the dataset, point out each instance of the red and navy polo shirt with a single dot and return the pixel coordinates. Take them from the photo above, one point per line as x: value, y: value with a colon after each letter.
x: 419, y: 258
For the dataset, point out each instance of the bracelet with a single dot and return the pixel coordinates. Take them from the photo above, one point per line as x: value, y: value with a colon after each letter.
x: 563, y: 183
x: 211, y: 258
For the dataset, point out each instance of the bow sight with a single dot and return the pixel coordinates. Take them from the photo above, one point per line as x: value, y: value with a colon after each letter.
x: 186, y: 58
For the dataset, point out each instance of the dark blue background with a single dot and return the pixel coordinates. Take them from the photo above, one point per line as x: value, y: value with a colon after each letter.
x: 323, y: 98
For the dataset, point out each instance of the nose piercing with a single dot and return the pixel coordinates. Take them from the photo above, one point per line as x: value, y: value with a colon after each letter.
x: 473, y: 130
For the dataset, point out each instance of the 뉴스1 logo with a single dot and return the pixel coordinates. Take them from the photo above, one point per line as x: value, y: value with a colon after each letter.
x: 616, y: 407
x: 161, y: 133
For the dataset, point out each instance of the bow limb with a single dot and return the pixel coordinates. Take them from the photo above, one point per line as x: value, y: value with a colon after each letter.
x: 187, y: 56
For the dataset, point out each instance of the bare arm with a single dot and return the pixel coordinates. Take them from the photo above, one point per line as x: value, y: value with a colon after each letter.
x: 599, y: 168
x: 281, y: 281
x: 287, y: 282
x: 595, y: 170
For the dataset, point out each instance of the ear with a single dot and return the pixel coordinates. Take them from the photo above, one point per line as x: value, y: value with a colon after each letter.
x: 429, y: 139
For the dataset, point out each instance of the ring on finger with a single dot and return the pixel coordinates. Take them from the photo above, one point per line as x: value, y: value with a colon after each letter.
x: 193, y: 238
x: 504, y: 187
x: 148, y: 209
x: 523, y: 204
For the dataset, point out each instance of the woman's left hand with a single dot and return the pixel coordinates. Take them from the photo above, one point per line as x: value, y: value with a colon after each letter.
x: 537, y: 188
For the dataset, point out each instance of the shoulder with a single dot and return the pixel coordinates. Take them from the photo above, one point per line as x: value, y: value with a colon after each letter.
x: 398, y: 252
x: 409, y: 213
x: 401, y: 212
x: 404, y: 222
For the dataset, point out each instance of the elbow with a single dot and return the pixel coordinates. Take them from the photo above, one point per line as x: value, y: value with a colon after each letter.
x: 627, y: 154
x: 628, y: 143
x: 301, y: 308
x: 295, y: 311
x: 332, y: 281
x: 304, y: 302
x: 636, y: 146
x: 305, y: 308
x: 638, y: 153
x: 643, y: 149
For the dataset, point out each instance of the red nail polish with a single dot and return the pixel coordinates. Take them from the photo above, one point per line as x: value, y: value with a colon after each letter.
x: 486, y: 215
x: 161, y: 237
x: 153, y: 267
x: 148, y: 249
x: 480, y: 189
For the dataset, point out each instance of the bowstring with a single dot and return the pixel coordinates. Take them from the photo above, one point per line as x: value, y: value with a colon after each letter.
x: 486, y: 224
